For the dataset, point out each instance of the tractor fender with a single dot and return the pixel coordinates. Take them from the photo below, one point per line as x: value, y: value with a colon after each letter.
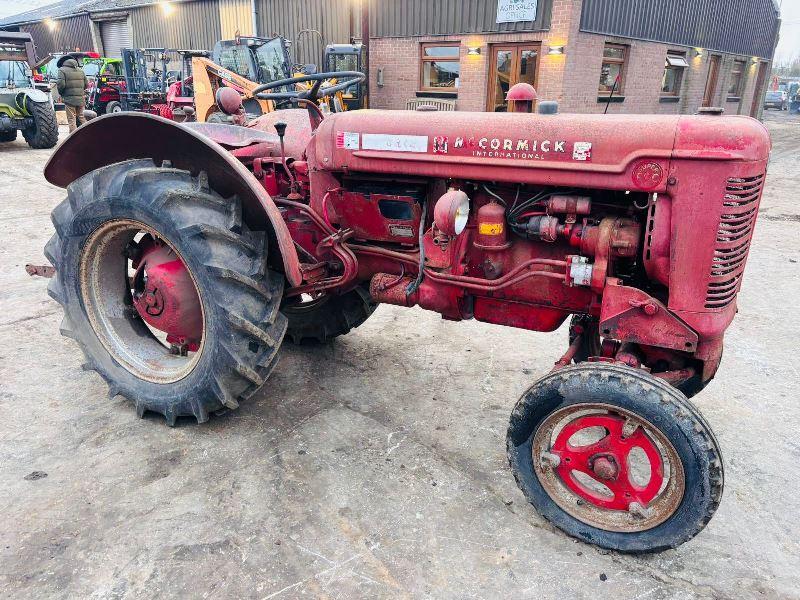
x: 33, y: 95
x: 124, y: 136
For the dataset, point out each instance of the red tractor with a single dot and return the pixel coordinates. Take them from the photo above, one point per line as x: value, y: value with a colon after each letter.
x: 186, y: 253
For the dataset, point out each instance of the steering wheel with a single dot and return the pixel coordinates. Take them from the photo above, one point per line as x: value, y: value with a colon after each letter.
x: 344, y: 78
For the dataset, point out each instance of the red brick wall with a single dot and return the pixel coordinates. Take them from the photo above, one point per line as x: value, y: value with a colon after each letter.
x: 571, y: 79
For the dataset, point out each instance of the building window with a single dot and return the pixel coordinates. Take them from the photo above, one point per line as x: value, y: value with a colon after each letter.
x: 439, y: 67
x: 673, y: 73
x: 612, y: 74
x: 737, y: 80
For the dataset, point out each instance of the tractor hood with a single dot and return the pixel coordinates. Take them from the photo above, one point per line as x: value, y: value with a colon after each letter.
x: 529, y: 148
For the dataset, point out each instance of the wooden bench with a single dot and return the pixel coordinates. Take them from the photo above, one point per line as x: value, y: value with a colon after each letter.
x: 435, y: 103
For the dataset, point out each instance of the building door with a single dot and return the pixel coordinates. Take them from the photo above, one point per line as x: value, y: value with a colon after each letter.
x: 510, y: 64
x: 711, y: 83
x: 758, y: 92
x: 116, y: 35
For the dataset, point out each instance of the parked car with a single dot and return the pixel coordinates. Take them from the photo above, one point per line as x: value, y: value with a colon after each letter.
x: 776, y: 99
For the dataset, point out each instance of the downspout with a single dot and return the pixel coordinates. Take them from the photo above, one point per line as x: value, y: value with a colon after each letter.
x: 254, y: 9
x: 365, y: 43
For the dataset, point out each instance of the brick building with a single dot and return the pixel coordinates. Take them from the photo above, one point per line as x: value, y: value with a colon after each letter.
x: 662, y: 56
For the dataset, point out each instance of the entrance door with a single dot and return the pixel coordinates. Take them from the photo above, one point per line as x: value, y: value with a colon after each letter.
x: 758, y: 92
x: 511, y: 64
x: 711, y: 83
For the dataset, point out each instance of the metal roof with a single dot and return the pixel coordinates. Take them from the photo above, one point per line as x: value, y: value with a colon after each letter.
x: 748, y: 27
x: 67, y: 8
x: 57, y: 9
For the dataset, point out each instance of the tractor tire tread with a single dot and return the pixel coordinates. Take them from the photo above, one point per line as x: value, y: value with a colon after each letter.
x: 340, y: 315
x: 44, y: 134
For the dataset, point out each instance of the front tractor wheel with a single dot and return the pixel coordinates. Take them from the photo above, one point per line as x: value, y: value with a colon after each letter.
x: 615, y: 457
x: 43, y: 133
x: 165, y: 290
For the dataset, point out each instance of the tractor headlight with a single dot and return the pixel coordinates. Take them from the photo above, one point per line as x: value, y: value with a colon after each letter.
x: 451, y: 212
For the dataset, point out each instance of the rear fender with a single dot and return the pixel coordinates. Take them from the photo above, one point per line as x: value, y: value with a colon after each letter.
x: 118, y: 137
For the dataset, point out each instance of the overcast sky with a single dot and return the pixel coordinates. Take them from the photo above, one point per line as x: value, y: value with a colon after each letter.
x: 788, y: 47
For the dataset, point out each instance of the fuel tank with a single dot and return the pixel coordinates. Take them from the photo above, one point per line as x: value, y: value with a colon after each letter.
x: 603, y: 151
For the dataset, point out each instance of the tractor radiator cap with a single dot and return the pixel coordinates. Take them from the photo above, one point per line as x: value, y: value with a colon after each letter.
x: 548, y: 107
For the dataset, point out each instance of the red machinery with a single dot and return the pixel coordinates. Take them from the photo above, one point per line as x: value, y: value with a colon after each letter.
x: 637, y: 226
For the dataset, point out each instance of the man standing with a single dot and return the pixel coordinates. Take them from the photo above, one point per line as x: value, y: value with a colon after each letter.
x: 72, y: 86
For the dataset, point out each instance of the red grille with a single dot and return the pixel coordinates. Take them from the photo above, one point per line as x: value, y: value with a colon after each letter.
x: 740, y: 208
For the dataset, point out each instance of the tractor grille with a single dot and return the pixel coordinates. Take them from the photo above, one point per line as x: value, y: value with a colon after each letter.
x: 740, y: 208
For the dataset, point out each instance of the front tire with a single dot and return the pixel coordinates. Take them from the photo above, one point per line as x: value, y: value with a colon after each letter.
x: 113, y: 107
x: 242, y: 328
x: 592, y: 489
x: 44, y: 133
x: 8, y: 136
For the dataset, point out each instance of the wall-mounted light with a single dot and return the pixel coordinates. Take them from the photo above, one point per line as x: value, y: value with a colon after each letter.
x: 474, y: 51
x: 50, y: 23
x: 698, y: 52
x: 556, y: 50
x: 167, y: 8
x: 755, y: 59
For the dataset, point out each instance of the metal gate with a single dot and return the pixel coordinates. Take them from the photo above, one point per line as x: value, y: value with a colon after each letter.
x: 115, y: 35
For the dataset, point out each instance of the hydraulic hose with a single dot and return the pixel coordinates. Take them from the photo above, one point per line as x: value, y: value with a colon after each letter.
x: 414, y: 285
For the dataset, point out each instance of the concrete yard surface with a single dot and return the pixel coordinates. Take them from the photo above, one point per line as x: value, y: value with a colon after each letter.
x: 374, y: 467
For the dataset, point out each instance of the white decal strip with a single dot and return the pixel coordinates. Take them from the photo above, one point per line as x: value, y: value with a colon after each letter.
x: 396, y: 143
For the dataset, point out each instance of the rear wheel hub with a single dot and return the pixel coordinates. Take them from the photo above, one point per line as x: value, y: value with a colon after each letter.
x: 142, y: 301
x: 165, y: 295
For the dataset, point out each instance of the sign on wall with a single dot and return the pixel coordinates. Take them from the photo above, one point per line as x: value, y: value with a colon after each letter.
x: 511, y: 11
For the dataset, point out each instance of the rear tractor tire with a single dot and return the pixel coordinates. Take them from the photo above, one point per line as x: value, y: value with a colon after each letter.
x: 615, y: 457
x: 317, y: 321
x: 44, y: 133
x: 142, y: 252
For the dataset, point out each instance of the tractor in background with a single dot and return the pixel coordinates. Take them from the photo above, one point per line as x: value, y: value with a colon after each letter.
x: 346, y: 57
x: 23, y: 107
x: 246, y: 62
x: 148, y: 85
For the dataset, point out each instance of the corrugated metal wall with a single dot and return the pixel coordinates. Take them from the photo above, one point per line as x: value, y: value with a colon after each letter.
x: 288, y: 17
x: 192, y: 25
x: 404, y: 18
x: 68, y: 34
x: 736, y: 26
x: 235, y: 15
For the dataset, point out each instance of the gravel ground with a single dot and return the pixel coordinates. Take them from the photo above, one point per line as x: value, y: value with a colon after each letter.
x: 373, y: 467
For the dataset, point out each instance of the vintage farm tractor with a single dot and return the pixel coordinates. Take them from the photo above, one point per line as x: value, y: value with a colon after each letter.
x: 186, y: 253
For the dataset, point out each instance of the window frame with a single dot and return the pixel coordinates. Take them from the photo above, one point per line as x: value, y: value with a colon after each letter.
x: 426, y: 59
x: 736, y: 95
x: 681, y: 70
x: 623, y: 62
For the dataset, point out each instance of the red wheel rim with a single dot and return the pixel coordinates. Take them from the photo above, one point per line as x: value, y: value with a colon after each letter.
x: 596, y: 481
x: 607, y: 460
